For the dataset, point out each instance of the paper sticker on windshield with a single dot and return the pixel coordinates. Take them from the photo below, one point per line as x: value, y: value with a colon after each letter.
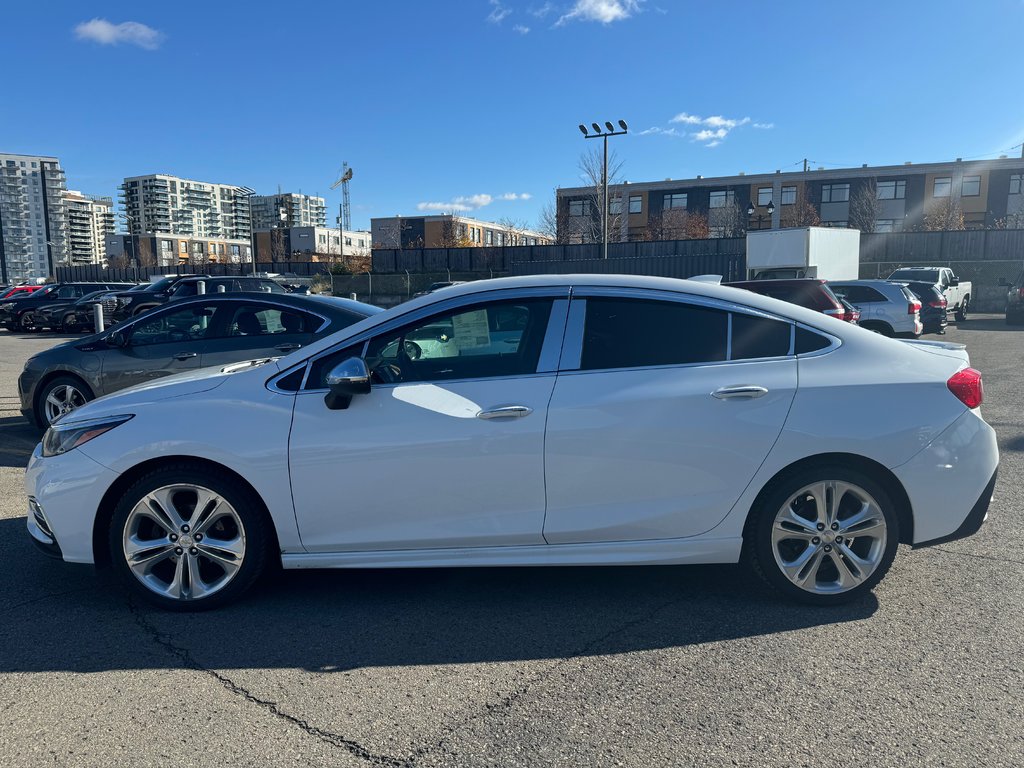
x: 471, y: 330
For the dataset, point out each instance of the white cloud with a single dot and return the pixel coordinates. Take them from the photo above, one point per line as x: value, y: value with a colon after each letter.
x: 682, y: 117
x: 764, y: 126
x: 132, y: 32
x: 658, y: 130
x: 521, y: 29
x: 603, y: 11
x: 543, y: 11
x: 498, y: 12
x: 715, y: 128
x: 712, y: 144
x: 707, y: 134
x: 464, y: 203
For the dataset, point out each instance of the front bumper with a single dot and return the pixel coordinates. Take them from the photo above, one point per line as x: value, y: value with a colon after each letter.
x: 68, y: 489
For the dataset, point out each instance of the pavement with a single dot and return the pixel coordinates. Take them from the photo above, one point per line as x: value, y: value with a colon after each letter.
x: 652, y: 666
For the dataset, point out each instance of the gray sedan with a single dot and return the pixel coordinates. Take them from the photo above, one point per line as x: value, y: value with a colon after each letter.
x: 204, y: 331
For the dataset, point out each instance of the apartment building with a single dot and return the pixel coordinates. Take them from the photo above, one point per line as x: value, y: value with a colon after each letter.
x: 310, y: 244
x: 448, y: 231
x: 288, y: 209
x: 978, y: 193
x: 159, y: 203
x: 165, y: 250
x: 90, y: 220
x: 33, y: 219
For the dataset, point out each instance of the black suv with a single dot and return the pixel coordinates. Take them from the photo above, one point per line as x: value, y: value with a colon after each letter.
x: 130, y: 303
x: 187, y: 288
x: 18, y: 314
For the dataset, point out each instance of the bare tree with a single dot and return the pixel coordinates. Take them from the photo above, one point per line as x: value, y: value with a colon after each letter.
x: 513, y: 230
x: 864, y: 207
x: 727, y: 221
x: 587, y: 228
x: 146, y: 257
x: 677, y: 224
x: 944, y: 215
x: 454, y: 233
x: 801, y: 214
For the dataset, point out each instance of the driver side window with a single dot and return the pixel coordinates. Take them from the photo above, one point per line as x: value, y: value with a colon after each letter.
x: 189, y: 323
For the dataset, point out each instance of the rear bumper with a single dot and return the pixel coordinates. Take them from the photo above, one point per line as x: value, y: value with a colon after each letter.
x: 974, y: 520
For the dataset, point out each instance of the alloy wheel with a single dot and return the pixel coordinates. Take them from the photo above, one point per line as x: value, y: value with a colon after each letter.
x: 62, y: 399
x: 184, y: 542
x: 829, y: 537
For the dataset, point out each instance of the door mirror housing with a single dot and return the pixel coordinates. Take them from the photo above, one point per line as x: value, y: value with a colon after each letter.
x: 348, y: 378
x: 117, y: 339
x: 954, y: 281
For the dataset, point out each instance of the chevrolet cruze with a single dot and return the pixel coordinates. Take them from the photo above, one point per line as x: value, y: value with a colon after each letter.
x: 547, y: 420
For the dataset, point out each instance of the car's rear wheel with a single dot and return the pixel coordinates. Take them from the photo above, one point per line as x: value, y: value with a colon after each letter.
x: 824, y: 535
x: 59, y: 396
x: 69, y: 323
x: 961, y: 311
x: 186, y: 538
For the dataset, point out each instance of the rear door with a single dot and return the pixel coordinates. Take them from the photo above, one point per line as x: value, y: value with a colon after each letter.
x: 663, y: 410
x: 253, y: 329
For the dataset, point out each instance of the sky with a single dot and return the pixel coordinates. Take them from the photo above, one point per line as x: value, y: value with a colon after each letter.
x: 473, y: 105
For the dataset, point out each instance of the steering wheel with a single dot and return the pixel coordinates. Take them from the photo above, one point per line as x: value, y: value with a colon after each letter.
x: 412, y: 350
x: 388, y: 373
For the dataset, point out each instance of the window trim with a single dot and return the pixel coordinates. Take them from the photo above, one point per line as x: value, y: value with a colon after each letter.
x: 830, y: 186
x: 963, y: 181
x: 948, y: 180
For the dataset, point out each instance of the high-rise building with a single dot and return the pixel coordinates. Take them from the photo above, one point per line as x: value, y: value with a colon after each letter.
x: 90, y: 220
x: 168, y: 204
x: 288, y: 209
x: 33, y: 221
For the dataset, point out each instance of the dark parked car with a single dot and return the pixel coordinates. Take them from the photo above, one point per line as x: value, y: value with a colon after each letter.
x: 19, y: 314
x: 204, y: 331
x: 80, y: 316
x: 805, y: 292
x: 1015, y: 301
x: 190, y: 287
x: 934, y: 315
x: 131, y: 303
x: 52, y: 315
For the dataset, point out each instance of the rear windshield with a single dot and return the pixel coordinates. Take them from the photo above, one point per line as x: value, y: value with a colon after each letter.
x: 931, y: 275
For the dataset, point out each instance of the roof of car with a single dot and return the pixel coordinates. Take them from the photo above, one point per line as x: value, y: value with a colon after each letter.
x: 297, y: 300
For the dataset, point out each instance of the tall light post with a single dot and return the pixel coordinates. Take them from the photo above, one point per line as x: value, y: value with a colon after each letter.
x: 751, y: 210
x: 247, y: 193
x: 604, y: 133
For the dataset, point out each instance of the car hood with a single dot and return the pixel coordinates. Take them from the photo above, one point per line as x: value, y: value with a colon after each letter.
x: 169, y: 387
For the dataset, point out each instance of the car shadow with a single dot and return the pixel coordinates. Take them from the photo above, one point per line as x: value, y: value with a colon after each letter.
x: 18, y: 439
x: 985, y: 323
x: 336, y: 621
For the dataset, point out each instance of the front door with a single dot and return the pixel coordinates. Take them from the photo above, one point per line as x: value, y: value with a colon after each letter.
x: 664, y: 422
x: 447, y: 448
x: 168, y: 341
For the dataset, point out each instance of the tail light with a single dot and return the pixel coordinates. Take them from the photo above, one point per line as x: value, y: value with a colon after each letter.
x: 838, y: 312
x: 939, y: 304
x: 913, y: 306
x: 967, y: 387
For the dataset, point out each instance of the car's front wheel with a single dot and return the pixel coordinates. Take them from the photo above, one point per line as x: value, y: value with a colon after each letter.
x: 60, y: 396
x: 824, y: 535
x: 187, y: 538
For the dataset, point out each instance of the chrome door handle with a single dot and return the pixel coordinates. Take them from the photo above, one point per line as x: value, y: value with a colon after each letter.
x: 506, y: 412
x: 287, y: 347
x: 743, y: 390
x: 183, y: 355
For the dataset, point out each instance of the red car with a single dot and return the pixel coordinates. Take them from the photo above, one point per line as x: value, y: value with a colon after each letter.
x: 805, y: 292
x: 18, y: 291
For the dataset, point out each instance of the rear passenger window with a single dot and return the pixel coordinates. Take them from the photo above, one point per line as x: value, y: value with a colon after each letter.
x: 633, y: 333
x: 759, y: 337
x: 858, y: 294
x: 809, y: 341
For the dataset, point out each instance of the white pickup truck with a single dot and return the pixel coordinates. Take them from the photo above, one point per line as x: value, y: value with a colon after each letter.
x: 957, y: 292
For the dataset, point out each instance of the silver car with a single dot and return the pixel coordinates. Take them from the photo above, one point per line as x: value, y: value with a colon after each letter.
x: 890, y: 309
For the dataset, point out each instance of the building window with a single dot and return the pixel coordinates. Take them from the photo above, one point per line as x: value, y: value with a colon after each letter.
x: 579, y: 207
x: 615, y: 206
x: 891, y: 190
x: 1017, y: 183
x: 889, y: 225
x: 788, y: 195
x: 321, y: 239
x: 677, y: 200
x: 942, y: 186
x: 834, y: 224
x: 722, y: 198
x: 166, y: 246
x: 636, y: 204
x: 182, y: 247
x: 348, y: 241
x: 835, y: 193
x: 764, y: 196
x: 970, y: 186
x: 235, y: 250
x: 488, y: 237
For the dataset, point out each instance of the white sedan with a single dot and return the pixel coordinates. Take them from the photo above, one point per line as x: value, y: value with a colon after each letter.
x: 549, y: 420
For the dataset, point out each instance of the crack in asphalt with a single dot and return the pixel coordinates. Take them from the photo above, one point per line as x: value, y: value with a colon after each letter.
x: 980, y: 557
x: 334, y: 739
x: 515, y: 696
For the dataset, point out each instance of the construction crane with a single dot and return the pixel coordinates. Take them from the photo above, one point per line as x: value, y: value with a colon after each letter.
x: 346, y: 204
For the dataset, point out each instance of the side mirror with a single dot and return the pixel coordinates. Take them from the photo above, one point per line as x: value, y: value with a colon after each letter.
x: 1004, y: 283
x: 348, y: 378
x: 117, y: 339
x: 954, y: 282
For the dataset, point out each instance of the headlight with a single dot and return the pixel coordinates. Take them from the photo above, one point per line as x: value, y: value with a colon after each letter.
x: 8, y: 305
x: 62, y: 437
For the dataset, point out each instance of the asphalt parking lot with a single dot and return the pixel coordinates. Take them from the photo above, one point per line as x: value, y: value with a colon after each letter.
x: 501, y: 667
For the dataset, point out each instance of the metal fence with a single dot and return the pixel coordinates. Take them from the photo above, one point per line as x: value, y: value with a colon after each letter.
x: 969, y: 245
x: 731, y: 266
x: 95, y: 272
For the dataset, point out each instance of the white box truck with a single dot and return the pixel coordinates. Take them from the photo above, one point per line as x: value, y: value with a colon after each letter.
x: 826, y: 253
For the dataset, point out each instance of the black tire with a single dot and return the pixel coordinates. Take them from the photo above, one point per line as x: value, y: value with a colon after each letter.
x: 961, y: 311
x: 250, y: 512
x: 55, y: 384
x: 67, y: 324
x: 880, y: 328
x: 759, y: 550
x: 25, y: 323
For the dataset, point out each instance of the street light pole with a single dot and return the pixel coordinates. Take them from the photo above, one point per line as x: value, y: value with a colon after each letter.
x: 751, y: 210
x: 604, y: 133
